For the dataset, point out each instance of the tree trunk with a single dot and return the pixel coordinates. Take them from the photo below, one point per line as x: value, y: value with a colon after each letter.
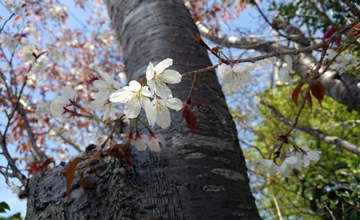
x: 199, y: 176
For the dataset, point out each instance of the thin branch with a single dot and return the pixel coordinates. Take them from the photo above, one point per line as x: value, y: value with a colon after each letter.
x: 279, y: 53
x: 316, y: 132
x: 277, y: 208
x: 15, y: 171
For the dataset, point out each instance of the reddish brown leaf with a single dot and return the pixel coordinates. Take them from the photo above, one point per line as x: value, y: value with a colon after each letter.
x: 330, y: 32
x: 318, y: 91
x: 18, y: 18
x: 295, y: 94
x: 357, y: 26
x: 70, y: 172
x: 189, y: 118
x: 118, y: 151
x: 96, y: 154
x: 338, y: 41
x: 308, y: 99
x: 86, y: 183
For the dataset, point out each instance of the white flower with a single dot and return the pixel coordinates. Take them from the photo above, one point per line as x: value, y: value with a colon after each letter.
x: 27, y: 52
x: 331, y: 53
x: 158, y: 111
x: 99, y: 105
x: 59, y: 102
x: 14, y: 189
x: 306, y: 157
x: 154, y: 142
x: 343, y: 61
x: 8, y: 42
x: 139, y: 141
x: 272, y: 167
x: 106, y: 88
x: 18, y: 9
x: 288, y: 163
x: 236, y: 74
x: 157, y: 77
x: 286, y: 70
x: 358, y: 85
x: 135, y: 97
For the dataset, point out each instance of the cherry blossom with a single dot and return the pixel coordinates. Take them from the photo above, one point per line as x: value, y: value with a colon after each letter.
x: 288, y: 163
x: 236, y: 74
x: 306, y: 155
x: 158, y: 111
x: 157, y: 77
x: 272, y: 167
x: 139, y: 141
x: 341, y: 61
x: 8, y: 42
x: 106, y: 87
x: 135, y: 97
x: 286, y: 70
x: 59, y: 102
x: 154, y: 141
x: 99, y: 105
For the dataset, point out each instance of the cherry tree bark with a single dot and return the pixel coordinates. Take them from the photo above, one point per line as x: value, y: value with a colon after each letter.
x: 199, y: 176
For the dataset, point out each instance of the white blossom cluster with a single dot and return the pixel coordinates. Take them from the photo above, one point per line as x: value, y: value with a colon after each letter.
x: 341, y: 61
x: 297, y: 159
x: 135, y: 96
x: 235, y: 74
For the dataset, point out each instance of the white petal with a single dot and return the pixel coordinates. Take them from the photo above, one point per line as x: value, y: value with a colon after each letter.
x: 150, y: 71
x: 154, y: 145
x: 145, y: 91
x: 107, y: 77
x: 161, y: 139
x: 69, y: 93
x: 224, y: 73
x: 134, y: 86
x: 97, y: 105
x: 121, y: 96
x: 162, y: 90
x: 174, y: 103
x: 172, y: 76
x: 163, y: 118
x: 132, y: 108
x: 288, y: 59
x: 291, y: 160
x: 160, y: 67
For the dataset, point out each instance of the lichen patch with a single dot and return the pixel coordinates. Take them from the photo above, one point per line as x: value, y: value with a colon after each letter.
x: 228, y: 174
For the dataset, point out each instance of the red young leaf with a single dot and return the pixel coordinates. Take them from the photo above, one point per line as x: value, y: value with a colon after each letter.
x: 47, y: 161
x: 308, y: 99
x: 296, y: 92
x: 318, y: 91
x: 189, y: 118
x: 338, y: 41
x: 118, y: 151
x: 96, y: 154
x: 330, y: 32
x: 86, y: 183
x: 70, y: 172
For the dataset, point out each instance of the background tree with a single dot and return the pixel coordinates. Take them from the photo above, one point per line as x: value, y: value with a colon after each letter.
x: 325, y: 190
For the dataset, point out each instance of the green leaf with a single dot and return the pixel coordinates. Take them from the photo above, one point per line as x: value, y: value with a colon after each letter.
x: 354, y: 197
x: 356, y: 166
x: 16, y: 216
x: 357, y: 178
x: 351, y: 215
x: 3, y: 206
x: 340, y: 165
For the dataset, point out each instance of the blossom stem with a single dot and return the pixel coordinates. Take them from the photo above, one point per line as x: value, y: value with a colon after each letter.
x: 112, y: 131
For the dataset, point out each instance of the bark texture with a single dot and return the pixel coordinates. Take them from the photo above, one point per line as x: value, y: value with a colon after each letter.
x: 199, y: 176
